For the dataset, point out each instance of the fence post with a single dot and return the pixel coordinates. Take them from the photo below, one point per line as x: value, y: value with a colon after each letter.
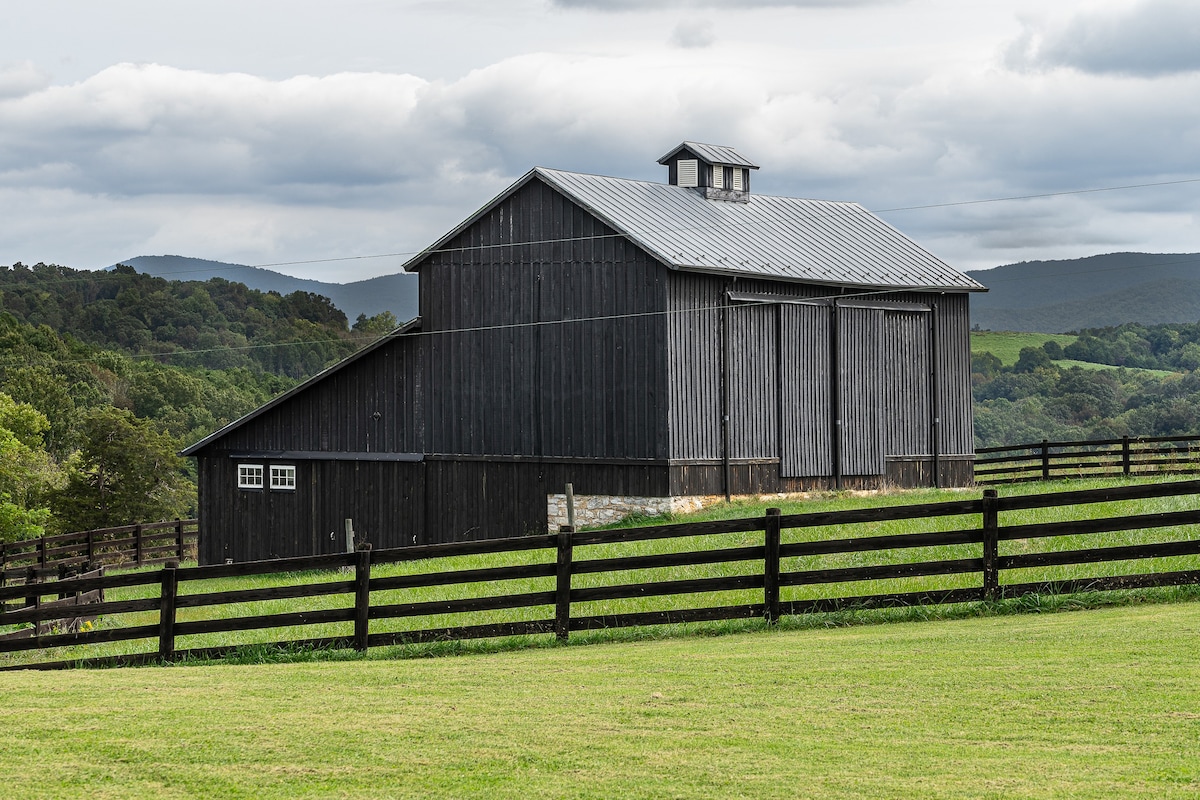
x: 771, y: 566
x: 91, y: 546
x: 362, y: 597
x: 1125, y: 461
x: 166, y: 613
x: 179, y: 538
x: 1045, y: 459
x: 31, y: 578
x: 991, y: 544
x: 42, y: 552
x: 137, y: 543
x: 562, y: 586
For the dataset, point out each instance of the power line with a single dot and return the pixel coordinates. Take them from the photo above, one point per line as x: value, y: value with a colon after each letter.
x: 844, y: 209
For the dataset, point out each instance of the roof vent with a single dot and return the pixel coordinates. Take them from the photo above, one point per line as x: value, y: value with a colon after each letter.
x: 716, y: 171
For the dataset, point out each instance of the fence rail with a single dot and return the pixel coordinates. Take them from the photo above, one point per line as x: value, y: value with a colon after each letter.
x: 125, y: 546
x: 1127, y: 456
x: 767, y: 566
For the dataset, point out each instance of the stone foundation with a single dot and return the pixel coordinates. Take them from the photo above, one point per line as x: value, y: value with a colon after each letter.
x: 605, y: 509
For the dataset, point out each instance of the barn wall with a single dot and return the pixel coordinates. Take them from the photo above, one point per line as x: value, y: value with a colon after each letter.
x: 395, y: 504
x: 372, y: 405
x: 558, y: 376
x: 781, y: 389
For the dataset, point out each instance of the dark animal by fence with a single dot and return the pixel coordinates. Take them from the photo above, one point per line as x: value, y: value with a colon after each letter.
x: 981, y: 529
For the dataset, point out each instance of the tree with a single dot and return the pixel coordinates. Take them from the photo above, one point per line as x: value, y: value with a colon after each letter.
x: 27, y: 473
x: 378, y: 325
x: 124, y: 472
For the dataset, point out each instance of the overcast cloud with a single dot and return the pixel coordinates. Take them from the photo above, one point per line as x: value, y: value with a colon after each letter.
x: 174, y: 144
x: 1148, y: 39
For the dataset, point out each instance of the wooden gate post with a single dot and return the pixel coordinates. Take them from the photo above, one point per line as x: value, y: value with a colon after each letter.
x: 1125, y: 460
x: 771, y: 566
x: 179, y: 538
x: 562, y: 587
x: 991, y: 544
x: 362, y: 597
x: 166, y: 613
x: 137, y: 543
x: 1045, y: 459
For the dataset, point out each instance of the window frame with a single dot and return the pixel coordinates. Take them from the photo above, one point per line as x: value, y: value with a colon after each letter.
x: 246, y: 472
x: 283, y: 477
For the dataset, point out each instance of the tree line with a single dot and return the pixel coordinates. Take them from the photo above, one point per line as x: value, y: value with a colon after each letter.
x: 1041, y: 398
x: 104, y: 377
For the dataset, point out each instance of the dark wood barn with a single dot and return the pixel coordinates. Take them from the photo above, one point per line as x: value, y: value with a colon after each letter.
x: 639, y: 340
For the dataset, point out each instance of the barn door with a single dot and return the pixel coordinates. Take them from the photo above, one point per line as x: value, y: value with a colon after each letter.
x: 860, y: 396
x: 806, y: 418
x: 812, y: 397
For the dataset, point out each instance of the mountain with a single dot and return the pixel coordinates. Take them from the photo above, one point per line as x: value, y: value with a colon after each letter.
x: 394, y: 293
x: 1093, y: 292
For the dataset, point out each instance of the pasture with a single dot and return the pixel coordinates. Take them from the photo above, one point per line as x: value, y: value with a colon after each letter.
x: 1090, y: 704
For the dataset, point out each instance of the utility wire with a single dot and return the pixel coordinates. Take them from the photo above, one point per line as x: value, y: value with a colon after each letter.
x: 843, y: 209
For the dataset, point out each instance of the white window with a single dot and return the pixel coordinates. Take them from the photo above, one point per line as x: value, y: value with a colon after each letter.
x: 283, y: 477
x: 689, y: 172
x: 738, y: 181
x: 718, y: 176
x: 250, y: 476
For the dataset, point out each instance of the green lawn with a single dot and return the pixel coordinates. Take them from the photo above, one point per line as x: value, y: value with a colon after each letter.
x: 1092, y: 704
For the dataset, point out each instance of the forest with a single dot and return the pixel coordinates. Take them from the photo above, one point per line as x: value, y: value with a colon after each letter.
x: 104, y: 376
x: 1048, y: 394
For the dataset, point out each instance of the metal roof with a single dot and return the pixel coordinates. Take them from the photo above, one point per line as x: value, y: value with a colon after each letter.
x: 783, y: 238
x: 713, y: 154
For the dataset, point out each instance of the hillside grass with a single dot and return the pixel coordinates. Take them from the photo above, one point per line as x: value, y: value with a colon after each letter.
x: 1095, y: 704
x: 1006, y: 345
x: 251, y: 640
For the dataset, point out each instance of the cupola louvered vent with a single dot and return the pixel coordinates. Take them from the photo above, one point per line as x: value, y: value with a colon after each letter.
x: 689, y: 172
x: 716, y: 171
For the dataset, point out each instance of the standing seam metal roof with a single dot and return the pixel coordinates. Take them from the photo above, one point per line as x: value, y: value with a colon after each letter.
x: 713, y: 154
x: 813, y: 241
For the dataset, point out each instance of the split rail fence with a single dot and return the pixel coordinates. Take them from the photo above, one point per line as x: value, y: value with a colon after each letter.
x: 179, y: 605
x: 1099, y: 458
x: 122, y: 547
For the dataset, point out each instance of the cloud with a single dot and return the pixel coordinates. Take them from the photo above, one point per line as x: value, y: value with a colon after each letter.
x: 17, y: 80
x: 144, y: 159
x: 693, y: 34
x: 659, y: 5
x: 1150, y: 39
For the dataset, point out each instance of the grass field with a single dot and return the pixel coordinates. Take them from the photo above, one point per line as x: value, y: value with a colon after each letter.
x: 1092, y: 704
x: 1006, y: 345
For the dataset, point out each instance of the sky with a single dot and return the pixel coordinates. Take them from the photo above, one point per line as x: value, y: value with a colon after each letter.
x: 351, y: 135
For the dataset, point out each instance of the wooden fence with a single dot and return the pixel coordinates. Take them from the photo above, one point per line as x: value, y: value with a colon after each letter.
x: 982, y: 532
x: 1046, y: 460
x: 126, y: 546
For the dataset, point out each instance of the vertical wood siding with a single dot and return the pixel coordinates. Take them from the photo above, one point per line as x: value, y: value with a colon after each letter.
x: 805, y: 408
x: 568, y: 379
x: 860, y: 334
x: 372, y: 405
x: 753, y: 382
x: 905, y: 383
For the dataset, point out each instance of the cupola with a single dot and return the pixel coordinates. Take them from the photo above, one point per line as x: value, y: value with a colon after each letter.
x: 716, y: 171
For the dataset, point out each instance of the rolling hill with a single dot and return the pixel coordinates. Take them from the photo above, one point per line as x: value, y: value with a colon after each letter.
x: 1097, y: 291
x: 394, y: 293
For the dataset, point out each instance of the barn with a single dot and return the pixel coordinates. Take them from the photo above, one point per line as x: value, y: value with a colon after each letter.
x: 645, y: 342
